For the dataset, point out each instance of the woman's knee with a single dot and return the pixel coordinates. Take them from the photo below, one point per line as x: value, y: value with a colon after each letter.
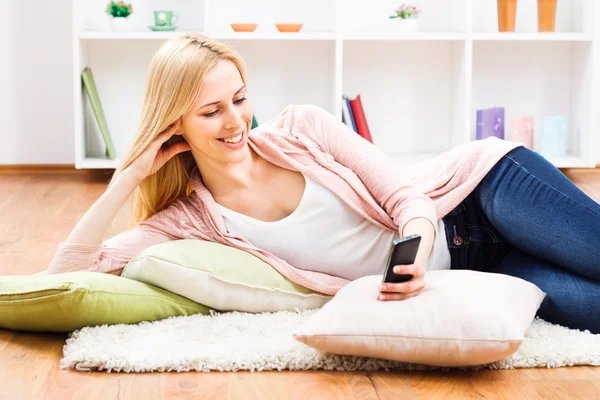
x: 575, y: 313
x: 572, y: 300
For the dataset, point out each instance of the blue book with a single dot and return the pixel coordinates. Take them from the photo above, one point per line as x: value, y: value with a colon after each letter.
x: 347, y: 100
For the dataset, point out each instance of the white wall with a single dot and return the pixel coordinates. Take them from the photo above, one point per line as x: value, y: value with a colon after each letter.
x: 36, y: 105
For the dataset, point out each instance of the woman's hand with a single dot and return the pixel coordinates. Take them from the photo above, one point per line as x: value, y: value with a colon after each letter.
x: 155, y: 157
x: 404, y: 290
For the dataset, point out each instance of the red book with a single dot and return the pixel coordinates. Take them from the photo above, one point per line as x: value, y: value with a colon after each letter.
x: 361, y: 121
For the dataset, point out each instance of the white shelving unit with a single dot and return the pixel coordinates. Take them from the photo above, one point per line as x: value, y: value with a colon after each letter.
x: 420, y: 90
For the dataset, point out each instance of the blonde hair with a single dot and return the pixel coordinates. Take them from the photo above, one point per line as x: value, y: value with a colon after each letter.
x: 175, y: 75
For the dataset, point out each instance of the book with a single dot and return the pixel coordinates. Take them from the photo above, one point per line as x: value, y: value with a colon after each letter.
x: 521, y: 130
x: 554, y: 136
x: 361, y: 120
x: 90, y: 88
x: 351, y: 115
x: 346, y: 113
x: 490, y: 122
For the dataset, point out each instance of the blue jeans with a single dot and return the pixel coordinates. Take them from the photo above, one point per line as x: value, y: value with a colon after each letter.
x: 528, y: 220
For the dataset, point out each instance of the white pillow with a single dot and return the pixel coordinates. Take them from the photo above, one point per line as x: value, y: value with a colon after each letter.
x: 220, y: 277
x: 461, y: 318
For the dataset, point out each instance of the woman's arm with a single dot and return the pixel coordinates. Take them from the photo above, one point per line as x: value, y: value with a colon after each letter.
x: 93, y: 225
x: 109, y: 257
x: 423, y: 227
x: 83, y: 249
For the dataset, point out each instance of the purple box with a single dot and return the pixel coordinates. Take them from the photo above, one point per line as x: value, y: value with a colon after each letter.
x: 490, y: 122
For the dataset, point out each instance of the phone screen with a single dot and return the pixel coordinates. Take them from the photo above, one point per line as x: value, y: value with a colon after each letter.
x: 404, y: 251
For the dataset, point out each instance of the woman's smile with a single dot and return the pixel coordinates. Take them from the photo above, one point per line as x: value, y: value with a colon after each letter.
x: 235, y: 142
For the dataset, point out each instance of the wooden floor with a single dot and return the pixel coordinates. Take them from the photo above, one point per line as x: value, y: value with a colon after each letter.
x: 38, y: 209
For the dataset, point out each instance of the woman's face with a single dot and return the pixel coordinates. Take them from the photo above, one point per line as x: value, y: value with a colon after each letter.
x: 221, y: 111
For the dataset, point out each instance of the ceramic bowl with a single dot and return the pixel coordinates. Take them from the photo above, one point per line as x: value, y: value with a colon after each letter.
x: 243, y: 27
x: 288, y: 27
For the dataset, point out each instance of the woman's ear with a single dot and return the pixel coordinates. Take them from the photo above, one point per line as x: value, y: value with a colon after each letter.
x: 179, y: 126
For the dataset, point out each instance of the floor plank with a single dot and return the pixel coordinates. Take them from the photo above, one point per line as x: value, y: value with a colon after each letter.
x: 39, y: 208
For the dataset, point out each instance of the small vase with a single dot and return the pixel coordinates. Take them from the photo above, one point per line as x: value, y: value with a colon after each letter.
x: 507, y: 15
x: 405, y: 25
x: 546, y: 15
x: 119, y: 24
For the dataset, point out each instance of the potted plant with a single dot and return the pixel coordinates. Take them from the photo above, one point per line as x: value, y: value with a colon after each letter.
x: 406, y: 18
x: 118, y: 12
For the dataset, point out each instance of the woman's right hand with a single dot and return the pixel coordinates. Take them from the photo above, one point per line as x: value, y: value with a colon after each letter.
x: 155, y: 157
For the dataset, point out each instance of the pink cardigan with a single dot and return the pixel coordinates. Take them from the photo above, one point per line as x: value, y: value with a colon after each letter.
x: 308, y: 139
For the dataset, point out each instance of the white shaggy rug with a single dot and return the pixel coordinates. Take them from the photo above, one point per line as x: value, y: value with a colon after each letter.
x: 235, y: 341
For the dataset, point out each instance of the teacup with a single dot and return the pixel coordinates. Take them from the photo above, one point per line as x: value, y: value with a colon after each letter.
x: 165, y: 18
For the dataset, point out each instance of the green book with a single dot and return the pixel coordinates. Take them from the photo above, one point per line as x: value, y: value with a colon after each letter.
x: 90, y: 88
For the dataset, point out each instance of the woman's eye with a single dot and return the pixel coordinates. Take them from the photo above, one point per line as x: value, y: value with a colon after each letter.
x: 212, y: 114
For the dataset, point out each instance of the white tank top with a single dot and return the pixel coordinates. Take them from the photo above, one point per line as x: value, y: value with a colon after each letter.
x: 323, y: 234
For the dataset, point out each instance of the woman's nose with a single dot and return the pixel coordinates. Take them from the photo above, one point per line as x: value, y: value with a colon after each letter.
x: 234, y: 120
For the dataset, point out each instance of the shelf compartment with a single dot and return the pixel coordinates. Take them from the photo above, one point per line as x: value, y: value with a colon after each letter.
x: 273, y: 84
x: 373, y: 16
x: 276, y: 79
x: 93, y: 17
x: 315, y: 15
x: 413, y: 93
x: 538, y: 79
x: 119, y: 70
x: 572, y: 16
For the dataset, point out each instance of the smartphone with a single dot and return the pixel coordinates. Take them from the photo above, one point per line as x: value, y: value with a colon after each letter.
x: 404, y: 251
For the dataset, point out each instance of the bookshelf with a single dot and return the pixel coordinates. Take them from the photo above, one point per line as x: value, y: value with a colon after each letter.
x: 420, y: 91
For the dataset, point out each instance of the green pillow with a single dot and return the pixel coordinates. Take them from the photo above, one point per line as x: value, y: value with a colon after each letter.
x: 73, y: 300
x: 220, y: 277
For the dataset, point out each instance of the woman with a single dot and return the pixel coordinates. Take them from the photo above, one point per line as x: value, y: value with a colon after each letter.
x: 321, y: 205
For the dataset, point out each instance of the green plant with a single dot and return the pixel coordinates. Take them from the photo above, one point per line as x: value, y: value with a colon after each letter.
x: 406, y: 11
x: 119, y: 9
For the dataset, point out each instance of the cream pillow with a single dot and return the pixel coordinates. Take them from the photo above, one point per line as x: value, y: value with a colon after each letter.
x: 219, y: 277
x: 461, y: 318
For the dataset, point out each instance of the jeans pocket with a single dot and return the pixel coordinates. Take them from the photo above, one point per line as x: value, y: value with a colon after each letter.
x: 473, y: 242
x: 481, y: 234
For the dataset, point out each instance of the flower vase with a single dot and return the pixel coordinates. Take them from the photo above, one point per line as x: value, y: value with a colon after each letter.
x: 405, y: 25
x: 119, y: 24
x: 546, y: 15
x: 507, y: 15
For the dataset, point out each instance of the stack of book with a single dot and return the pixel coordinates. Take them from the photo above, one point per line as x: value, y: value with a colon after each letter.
x: 353, y: 115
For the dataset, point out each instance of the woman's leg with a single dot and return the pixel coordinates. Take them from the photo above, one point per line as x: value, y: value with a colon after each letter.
x: 537, y: 209
x: 571, y: 299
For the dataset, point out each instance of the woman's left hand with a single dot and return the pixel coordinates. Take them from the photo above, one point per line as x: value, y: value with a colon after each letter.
x: 404, y: 290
